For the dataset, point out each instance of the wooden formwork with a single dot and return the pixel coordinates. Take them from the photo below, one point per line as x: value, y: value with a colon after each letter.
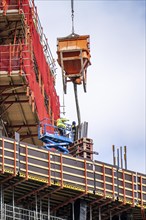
x: 85, y: 177
x: 83, y: 148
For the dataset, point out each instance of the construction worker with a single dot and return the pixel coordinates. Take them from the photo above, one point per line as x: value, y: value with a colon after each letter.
x: 61, y: 125
x: 74, y: 130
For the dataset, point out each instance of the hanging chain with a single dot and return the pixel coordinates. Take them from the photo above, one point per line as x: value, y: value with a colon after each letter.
x: 72, y: 15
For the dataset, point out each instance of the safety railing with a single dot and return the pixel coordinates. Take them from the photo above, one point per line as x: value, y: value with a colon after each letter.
x: 45, y: 127
x: 43, y: 39
x: 9, y: 212
x: 103, y: 179
x: 28, y: 8
x: 13, y: 57
x: 20, y: 58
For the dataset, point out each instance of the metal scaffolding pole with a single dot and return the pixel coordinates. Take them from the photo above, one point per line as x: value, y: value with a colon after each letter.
x: 73, y: 215
x: 110, y: 215
x: 90, y: 212
x: 118, y: 166
x: 48, y: 208
x: 13, y: 202
x: 40, y: 208
x: 1, y: 202
x: 36, y: 206
x: 121, y: 156
x: 99, y: 213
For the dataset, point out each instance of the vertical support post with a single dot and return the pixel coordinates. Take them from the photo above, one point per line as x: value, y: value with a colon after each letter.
x: 99, y: 213
x: 26, y: 162
x: 73, y: 216
x: 118, y: 163
x: 40, y: 81
x: 10, y: 59
x: 40, y: 208
x: 110, y: 215
x: 36, y: 206
x: 1, y: 130
x: 94, y: 177
x: 141, y: 192
x: 1, y: 202
x: 5, y: 6
x: 104, y: 185
x: 125, y: 156
x: 13, y: 202
x: 121, y: 157
x: 84, y: 149
x: 15, y: 158
x: 49, y: 169
x: 61, y: 170
x: 48, y: 208
x: 113, y: 183
x: 3, y: 160
x: 36, y: 16
x: 137, y: 197
x: 5, y: 210
x: 124, y: 191
x: 20, y: 45
x: 117, y: 173
x: 33, y: 6
x: 114, y: 158
x: 90, y: 212
x: 85, y: 167
x: 133, y: 194
x: 119, y: 216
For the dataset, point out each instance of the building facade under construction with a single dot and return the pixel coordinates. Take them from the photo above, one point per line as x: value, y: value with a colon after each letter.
x: 37, y: 183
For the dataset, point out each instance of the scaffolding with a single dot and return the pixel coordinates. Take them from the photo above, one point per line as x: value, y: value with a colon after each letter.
x: 9, y: 212
x: 27, y: 71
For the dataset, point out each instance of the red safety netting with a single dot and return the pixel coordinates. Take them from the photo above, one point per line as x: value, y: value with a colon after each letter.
x: 19, y: 58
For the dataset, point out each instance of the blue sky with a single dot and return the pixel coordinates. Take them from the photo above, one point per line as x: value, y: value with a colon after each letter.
x: 114, y: 105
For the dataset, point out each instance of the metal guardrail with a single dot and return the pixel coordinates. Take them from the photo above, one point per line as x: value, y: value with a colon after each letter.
x: 16, y: 5
x: 8, y: 212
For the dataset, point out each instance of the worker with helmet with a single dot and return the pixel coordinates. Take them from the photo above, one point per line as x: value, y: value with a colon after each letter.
x: 74, y: 130
x: 61, y: 125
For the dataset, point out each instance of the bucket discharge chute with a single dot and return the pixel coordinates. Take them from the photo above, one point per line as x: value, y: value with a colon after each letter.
x: 74, y: 58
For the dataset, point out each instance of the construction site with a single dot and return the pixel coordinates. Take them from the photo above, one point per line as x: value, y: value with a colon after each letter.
x: 48, y: 172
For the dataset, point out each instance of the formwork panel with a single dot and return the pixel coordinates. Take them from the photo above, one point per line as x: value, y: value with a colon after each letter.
x: 68, y: 172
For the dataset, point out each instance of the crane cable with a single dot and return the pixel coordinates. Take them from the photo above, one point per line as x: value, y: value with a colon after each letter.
x: 72, y: 15
x: 75, y: 85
